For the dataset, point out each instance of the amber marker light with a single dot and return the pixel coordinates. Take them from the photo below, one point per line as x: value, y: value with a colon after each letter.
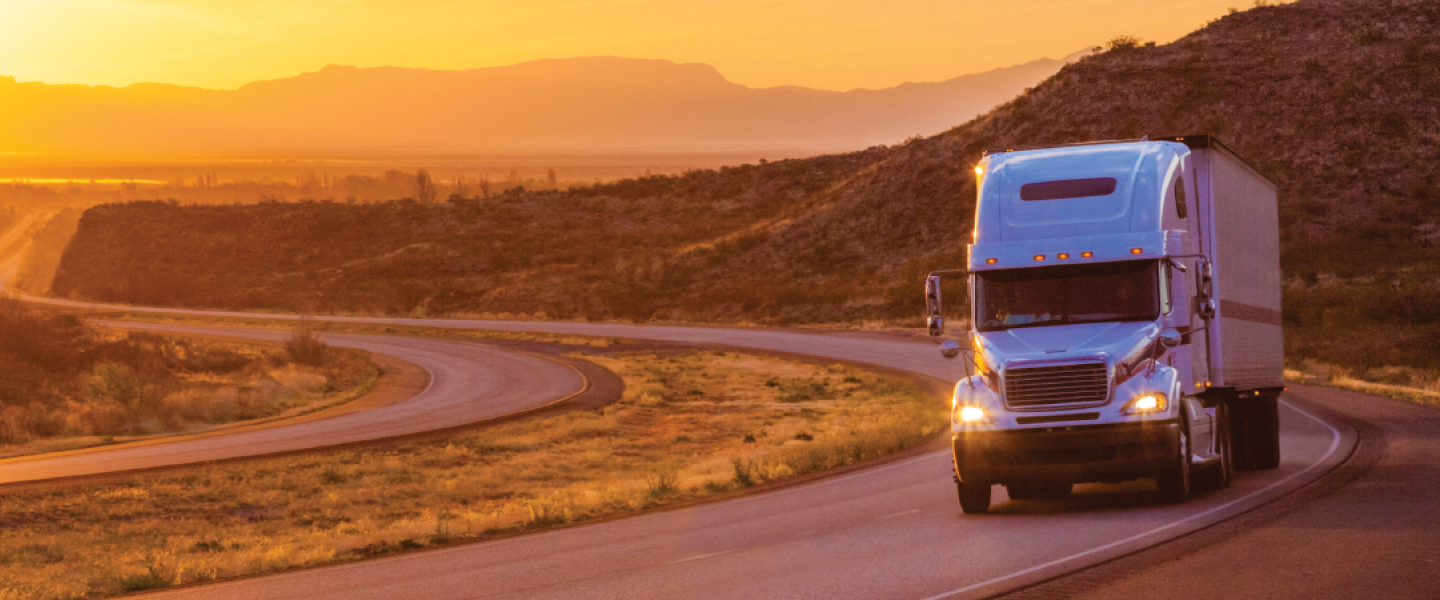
x: 1086, y: 254
x: 1135, y: 250
x: 1039, y: 257
x: 989, y: 261
x: 979, y: 170
x: 1063, y: 255
x: 1148, y: 403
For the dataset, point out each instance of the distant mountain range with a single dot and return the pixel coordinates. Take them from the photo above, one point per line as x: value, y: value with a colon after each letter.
x: 598, y: 103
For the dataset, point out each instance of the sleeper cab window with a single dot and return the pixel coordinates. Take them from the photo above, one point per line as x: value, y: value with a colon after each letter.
x: 1180, y: 208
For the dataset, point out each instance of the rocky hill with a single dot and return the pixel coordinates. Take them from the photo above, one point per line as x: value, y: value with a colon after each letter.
x: 1338, y: 101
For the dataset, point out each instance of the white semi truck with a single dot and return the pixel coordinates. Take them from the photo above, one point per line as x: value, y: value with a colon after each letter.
x: 1124, y: 320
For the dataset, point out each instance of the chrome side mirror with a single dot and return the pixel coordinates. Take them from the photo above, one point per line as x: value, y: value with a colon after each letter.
x: 949, y: 349
x: 1170, y: 338
x: 1207, y: 309
x: 935, y: 322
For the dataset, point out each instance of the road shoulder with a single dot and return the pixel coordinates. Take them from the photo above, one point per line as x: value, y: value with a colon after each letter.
x: 1366, y: 529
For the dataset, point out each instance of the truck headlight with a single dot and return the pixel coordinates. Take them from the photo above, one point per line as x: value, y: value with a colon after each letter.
x: 1153, y: 402
x: 973, y: 415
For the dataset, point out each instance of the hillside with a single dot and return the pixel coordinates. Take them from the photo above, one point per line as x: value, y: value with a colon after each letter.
x: 1338, y: 101
x: 569, y: 105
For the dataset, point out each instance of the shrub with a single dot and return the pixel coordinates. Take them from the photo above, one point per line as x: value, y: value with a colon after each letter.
x: 662, y: 483
x: 305, y: 345
x: 744, y: 472
x: 1123, y: 42
x: 805, y: 390
x: 140, y: 582
x: 118, y: 383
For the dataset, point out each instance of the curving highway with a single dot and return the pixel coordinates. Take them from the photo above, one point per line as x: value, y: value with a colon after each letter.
x: 465, y: 383
x: 891, y: 530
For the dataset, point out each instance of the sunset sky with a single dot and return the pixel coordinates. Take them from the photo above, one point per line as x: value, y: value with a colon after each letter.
x: 828, y: 44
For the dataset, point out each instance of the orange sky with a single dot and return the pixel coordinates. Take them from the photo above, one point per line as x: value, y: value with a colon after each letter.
x: 830, y: 44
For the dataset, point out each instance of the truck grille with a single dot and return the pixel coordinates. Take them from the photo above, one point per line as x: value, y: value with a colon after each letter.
x: 1065, y: 385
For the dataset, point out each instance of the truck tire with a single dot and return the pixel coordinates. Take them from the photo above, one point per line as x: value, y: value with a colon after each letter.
x: 1174, y: 482
x: 1219, y: 476
x: 1264, y: 442
x: 974, y: 497
x: 1240, y: 428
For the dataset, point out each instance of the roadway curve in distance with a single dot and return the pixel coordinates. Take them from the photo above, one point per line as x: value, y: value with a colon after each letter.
x: 468, y: 382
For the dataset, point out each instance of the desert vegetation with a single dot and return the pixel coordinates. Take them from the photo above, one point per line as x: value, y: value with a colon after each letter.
x: 691, y: 424
x: 65, y: 384
x: 1341, y: 116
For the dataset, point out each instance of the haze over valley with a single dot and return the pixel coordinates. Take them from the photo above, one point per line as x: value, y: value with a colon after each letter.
x: 561, y: 106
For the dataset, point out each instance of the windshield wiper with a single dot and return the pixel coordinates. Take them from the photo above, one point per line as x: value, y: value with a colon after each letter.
x: 997, y: 325
x: 1114, y: 319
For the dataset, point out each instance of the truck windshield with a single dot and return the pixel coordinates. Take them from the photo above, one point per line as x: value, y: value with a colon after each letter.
x: 1121, y: 291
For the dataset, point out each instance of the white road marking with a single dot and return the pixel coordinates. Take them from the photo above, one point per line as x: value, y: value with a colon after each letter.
x: 1334, y: 444
x: 901, y: 514
x: 685, y: 560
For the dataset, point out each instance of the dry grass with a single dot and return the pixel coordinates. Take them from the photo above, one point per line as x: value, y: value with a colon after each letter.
x: 690, y: 424
x: 66, y: 385
x: 1400, y: 383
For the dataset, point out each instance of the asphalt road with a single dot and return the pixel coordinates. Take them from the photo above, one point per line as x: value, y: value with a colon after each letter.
x: 468, y: 382
x: 1370, y: 529
x: 893, y: 530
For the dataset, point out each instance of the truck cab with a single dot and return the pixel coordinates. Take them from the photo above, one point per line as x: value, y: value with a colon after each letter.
x: 1094, y: 319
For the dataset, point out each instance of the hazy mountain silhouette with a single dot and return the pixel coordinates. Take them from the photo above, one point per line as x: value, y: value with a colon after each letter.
x: 593, y: 103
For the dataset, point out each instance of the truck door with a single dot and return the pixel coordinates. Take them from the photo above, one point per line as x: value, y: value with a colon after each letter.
x: 1189, y: 289
x: 1194, y: 283
x: 1196, y: 332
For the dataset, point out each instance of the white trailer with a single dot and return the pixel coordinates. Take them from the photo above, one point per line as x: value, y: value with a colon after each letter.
x: 1240, y: 231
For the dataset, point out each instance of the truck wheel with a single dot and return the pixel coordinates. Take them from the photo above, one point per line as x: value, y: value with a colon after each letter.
x: 1265, y: 432
x: 1218, y: 477
x: 974, y: 497
x: 1241, y: 427
x: 1174, y: 482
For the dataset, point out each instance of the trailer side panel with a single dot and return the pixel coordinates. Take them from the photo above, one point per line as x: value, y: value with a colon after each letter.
x: 1247, y: 334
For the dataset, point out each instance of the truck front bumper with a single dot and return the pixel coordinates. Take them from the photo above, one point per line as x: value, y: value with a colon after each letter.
x: 1103, y: 453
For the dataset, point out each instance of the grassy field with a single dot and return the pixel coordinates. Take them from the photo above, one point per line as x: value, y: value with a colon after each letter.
x: 65, y: 384
x: 691, y: 424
